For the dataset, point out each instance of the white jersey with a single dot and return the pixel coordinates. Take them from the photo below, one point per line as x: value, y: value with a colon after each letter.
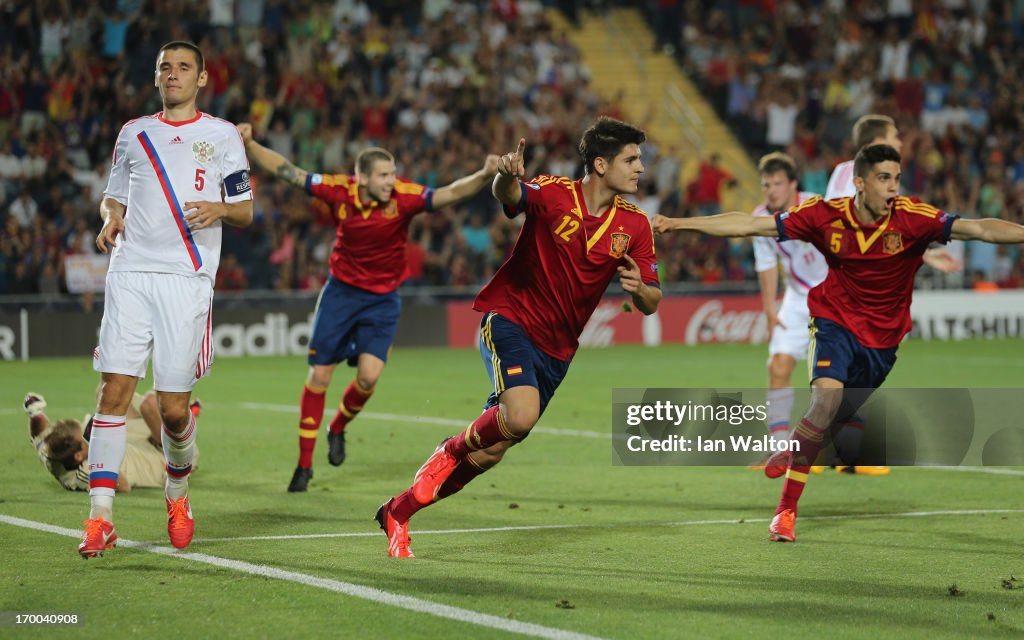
x: 156, y: 168
x: 804, y: 266
x: 840, y: 183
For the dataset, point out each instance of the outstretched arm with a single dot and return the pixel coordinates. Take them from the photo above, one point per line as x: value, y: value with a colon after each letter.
x: 730, y: 225
x: 269, y: 160
x: 991, y: 230
x: 467, y: 186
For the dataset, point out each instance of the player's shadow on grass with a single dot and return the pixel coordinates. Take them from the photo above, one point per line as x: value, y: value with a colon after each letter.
x: 938, y: 538
x: 265, y: 521
x: 757, y: 597
x: 177, y: 573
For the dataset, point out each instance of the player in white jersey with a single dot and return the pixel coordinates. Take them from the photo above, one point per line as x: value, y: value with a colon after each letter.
x: 803, y: 269
x: 868, y: 130
x: 176, y: 177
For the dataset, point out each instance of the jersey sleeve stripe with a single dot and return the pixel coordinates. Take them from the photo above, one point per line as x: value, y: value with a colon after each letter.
x: 919, y: 208
x: 408, y: 188
x: 172, y: 200
x: 335, y: 180
x: 631, y: 208
x: 806, y: 204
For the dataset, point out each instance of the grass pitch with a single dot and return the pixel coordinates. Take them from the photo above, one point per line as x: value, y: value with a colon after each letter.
x: 555, y: 541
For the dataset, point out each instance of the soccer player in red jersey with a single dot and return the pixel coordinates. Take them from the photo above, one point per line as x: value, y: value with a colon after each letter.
x: 357, y: 312
x: 874, y: 243
x: 577, y: 236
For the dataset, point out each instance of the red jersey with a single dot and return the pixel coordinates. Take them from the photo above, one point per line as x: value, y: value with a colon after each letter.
x: 369, y: 252
x: 870, y: 268
x: 563, y: 261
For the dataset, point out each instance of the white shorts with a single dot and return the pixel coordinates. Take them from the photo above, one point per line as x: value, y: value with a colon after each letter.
x: 796, y: 337
x: 163, y: 314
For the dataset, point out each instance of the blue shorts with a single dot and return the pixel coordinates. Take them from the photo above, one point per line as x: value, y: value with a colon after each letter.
x: 512, y: 360
x: 350, y: 321
x: 835, y: 353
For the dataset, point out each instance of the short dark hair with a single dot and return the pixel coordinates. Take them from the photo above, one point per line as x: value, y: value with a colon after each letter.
x: 871, y: 155
x: 63, y: 443
x: 871, y: 127
x: 606, y: 138
x: 185, y: 44
x: 775, y: 162
x: 367, y: 157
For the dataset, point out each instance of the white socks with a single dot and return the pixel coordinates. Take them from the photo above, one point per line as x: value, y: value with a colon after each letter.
x: 780, y: 410
x: 178, y: 452
x: 106, y: 451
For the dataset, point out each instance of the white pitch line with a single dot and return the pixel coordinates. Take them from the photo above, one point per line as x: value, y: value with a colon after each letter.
x: 347, y: 588
x: 447, y: 422
x: 610, y: 525
x: 996, y: 471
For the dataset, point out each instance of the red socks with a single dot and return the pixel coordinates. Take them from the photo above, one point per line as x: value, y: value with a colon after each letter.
x: 351, y: 404
x: 792, y: 487
x: 463, y: 475
x: 811, y: 439
x: 487, y: 430
x: 404, y: 505
x: 311, y: 412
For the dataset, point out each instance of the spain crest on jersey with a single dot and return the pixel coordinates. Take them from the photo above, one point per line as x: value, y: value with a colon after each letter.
x: 203, y: 151
x: 620, y: 242
x: 390, y: 210
x: 892, y: 242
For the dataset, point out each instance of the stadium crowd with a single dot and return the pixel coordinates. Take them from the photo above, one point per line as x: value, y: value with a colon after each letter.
x: 443, y: 82
x: 794, y: 75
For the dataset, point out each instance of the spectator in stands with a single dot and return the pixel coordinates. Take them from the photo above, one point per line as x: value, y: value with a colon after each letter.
x: 359, y: 62
x: 706, y: 191
x: 230, y: 276
x: 24, y: 210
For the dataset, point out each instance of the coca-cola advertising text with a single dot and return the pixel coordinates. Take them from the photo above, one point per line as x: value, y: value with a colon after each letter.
x: 692, y: 320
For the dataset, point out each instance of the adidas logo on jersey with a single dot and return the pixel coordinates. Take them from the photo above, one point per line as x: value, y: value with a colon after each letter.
x: 176, y: 140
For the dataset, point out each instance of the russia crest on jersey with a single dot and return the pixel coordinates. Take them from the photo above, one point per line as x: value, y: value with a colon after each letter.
x: 620, y: 242
x: 203, y: 151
